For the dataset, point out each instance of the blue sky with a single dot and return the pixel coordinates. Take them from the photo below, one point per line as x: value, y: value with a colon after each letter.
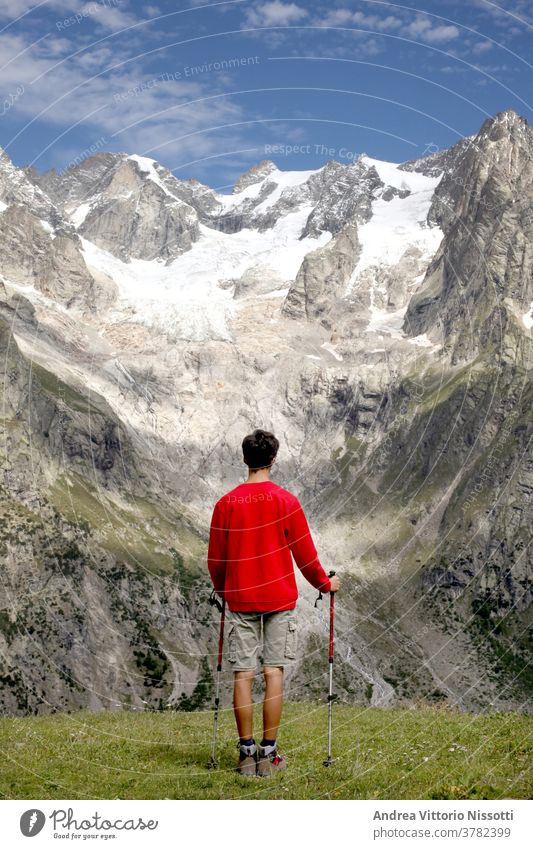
x: 210, y: 89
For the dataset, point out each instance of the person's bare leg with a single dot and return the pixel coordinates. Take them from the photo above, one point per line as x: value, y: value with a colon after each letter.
x: 273, y: 703
x: 242, y: 702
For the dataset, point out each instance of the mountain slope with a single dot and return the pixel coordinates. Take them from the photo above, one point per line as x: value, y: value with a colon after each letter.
x: 345, y: 308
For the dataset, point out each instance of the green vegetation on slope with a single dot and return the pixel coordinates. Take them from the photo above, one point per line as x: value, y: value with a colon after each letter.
x: 141, y: 532
x: 428, y: 753
x: 56, y: 387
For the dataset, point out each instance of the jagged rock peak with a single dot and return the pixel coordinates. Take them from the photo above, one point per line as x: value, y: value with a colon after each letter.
x: 483, y: 206
x: 505, y: 139
x: 503, y: 123
x: 102, y: 159
x: 439, y: 161
x: 254, y: 175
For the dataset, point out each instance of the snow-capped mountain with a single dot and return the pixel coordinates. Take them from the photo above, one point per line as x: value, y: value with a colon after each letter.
x: 183, y: 256
x: 376, y: 316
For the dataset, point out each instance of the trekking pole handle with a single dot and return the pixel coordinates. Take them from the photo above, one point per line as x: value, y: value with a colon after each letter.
x: 221, y: 636
x: 214, y: 601
x: 331, y: 618
x: 330, y: 575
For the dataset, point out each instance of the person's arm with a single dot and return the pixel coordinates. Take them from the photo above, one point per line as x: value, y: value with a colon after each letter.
x: 216, y: 552
x: 303, y: 548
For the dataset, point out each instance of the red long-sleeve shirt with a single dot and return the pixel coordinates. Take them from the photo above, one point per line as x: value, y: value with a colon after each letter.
x: 254, y: 529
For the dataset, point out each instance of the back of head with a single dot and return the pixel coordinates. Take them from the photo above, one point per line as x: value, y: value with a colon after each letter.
x: 259, y: 449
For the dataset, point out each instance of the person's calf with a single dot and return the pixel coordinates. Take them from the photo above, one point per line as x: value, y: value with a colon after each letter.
x: 242, y: 702
x: 273, y: 701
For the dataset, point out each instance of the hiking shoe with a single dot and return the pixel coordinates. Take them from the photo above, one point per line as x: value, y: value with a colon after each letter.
x: 247, y: 760
x: 270, y: 762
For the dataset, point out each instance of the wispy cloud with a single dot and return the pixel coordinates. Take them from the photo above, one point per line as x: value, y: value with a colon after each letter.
x: 346, y: 17
x: 422, y: 27
x: 482, y: 47
x: 504, y: 15
x: 86, y: 82
x: 274, y: 13
x: 426, y: 29
x: 11, y: 9
x: 107, y: 15
x: 101, y: 91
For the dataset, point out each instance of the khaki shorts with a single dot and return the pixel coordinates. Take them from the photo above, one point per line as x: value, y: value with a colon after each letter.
x: 244, y: 638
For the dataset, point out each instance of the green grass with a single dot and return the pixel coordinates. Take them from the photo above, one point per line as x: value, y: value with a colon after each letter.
x: 393, y: 753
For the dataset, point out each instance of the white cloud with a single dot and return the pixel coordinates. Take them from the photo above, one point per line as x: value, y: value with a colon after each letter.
x: 421, y: 28
x: 482, y: 47
x: 109, y: 16
x: 519, y: 11
x: 14, y: 8
x: 424, y: 29
x: 375, y: 22
x: 345, y: 17
x: 494, y: 70
x: 105, y: 14
x: 336, y: 18
x: 453, y: 69
x: 96, y: 58
x: 72, y: 94
x: 442, y: 33
x: 275, y: 13
x: 389, y: 22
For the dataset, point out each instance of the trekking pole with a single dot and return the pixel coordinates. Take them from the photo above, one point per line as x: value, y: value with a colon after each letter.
x: 213, y: 600
x: 329, y: 759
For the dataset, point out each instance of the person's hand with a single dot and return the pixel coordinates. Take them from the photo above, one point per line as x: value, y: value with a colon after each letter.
x: 335, y: 584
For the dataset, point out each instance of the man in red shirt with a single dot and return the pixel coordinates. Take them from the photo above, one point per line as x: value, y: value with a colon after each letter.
x: 255, y: 528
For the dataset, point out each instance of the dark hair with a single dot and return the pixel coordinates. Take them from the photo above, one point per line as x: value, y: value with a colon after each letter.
x: 259, y: 449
